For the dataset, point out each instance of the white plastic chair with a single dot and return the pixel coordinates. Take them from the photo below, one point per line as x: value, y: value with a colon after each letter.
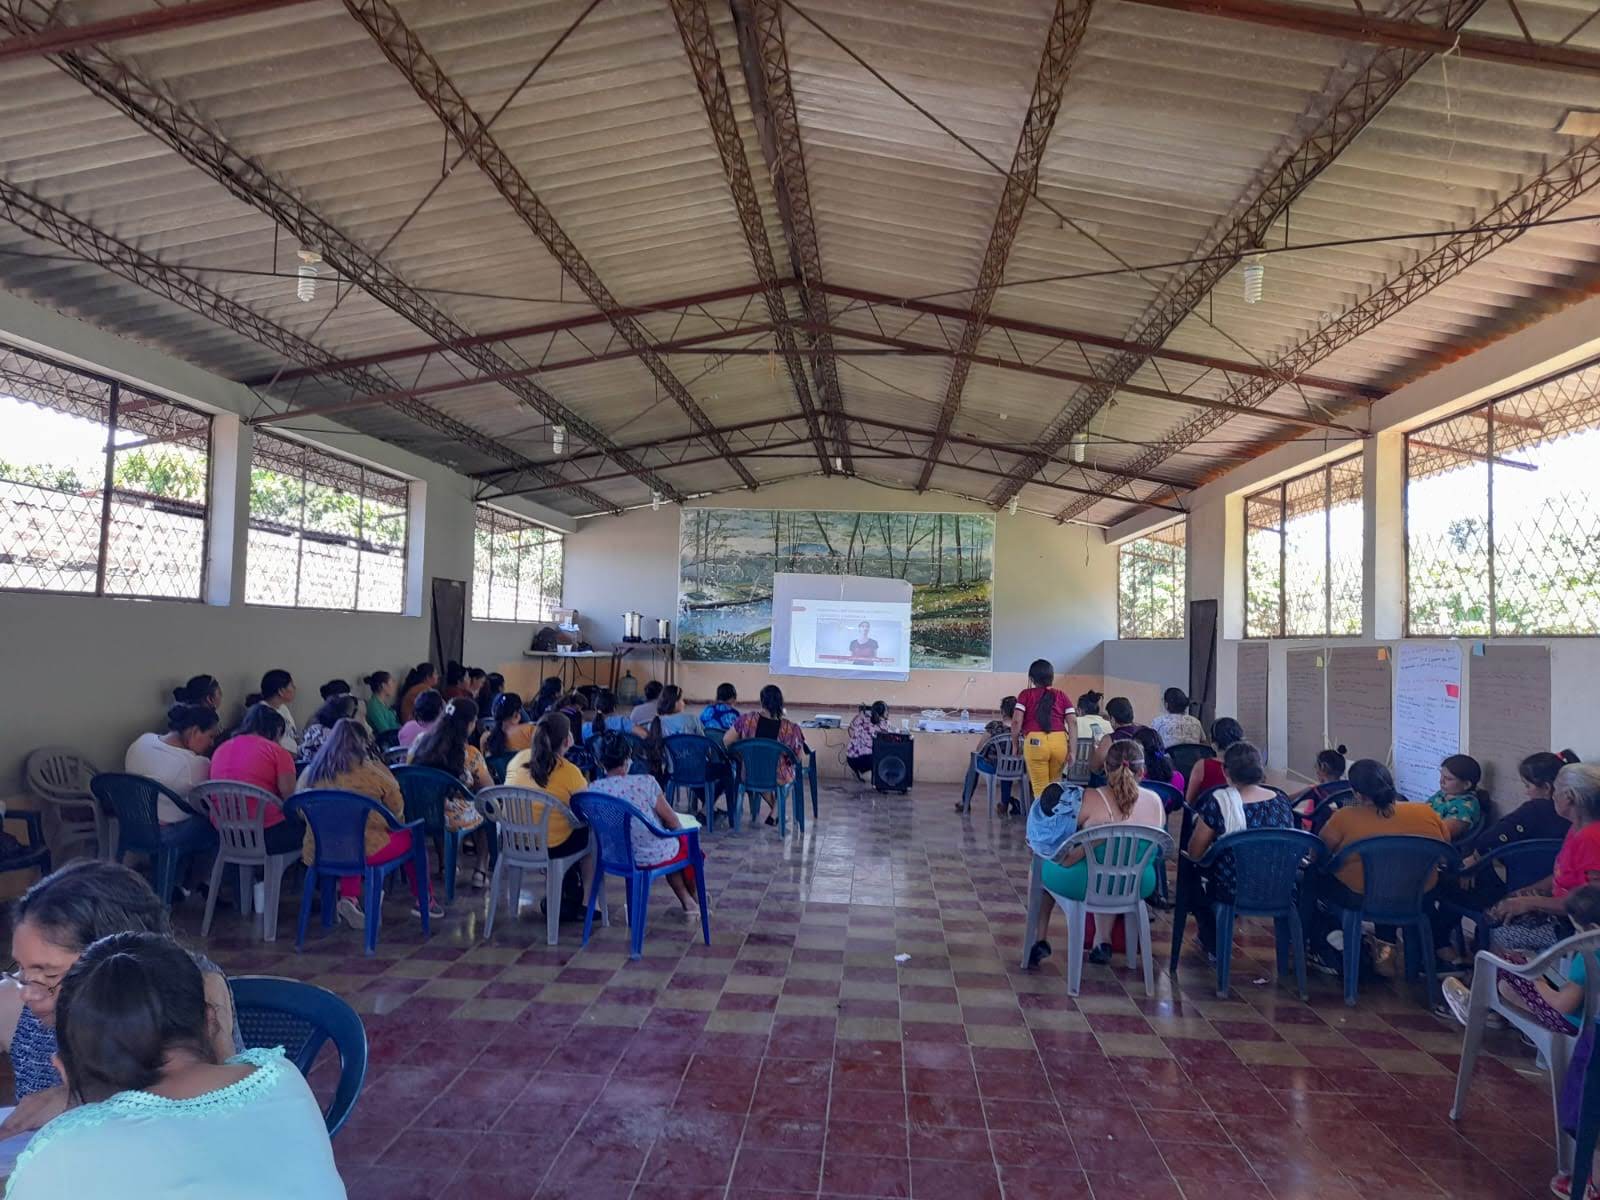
x: 1117, y: 856
x: 1008, y: 768
x: 1555, y: 1049
x: 524, y: 845
x: 1082, y: 764
x: 242, y: 843
x: 59, y: 776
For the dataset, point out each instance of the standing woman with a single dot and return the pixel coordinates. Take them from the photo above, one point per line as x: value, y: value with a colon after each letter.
x: 1040, y: 722
x: 770, y: 723
x: 381, y: 717
x: 421, y: 678
x: 349, y: 762
x: 277, y: 691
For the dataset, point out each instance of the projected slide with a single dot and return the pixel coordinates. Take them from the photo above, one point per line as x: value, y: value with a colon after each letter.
x: 846, y: 635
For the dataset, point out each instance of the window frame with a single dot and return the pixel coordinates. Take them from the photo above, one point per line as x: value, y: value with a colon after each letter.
x: 401, y: 483
x: 1281, y: 488
x: 522, y: 524
x: 1491, y: 454
x: 1183, y: 602
x: 117, y: 390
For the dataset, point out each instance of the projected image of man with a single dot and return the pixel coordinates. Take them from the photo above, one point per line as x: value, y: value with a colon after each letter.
x: 864, y: 648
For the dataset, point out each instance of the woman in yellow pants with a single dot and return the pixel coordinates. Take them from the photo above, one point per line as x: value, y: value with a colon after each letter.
x: 1041, y: 720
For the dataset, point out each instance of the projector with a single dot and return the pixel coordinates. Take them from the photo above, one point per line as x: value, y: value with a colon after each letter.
x: 828, y: 720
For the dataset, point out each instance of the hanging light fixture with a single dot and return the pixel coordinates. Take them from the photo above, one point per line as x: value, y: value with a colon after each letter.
x: 655, y: 501
x: 310, y: 267
x: 1255, y: 272
x: 1012, y: 507
x: 558, y: 438
x: 1080, y: 445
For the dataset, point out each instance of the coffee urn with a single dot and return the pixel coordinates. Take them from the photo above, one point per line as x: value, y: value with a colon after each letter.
x: 663, y: 632
x: 632, y: 626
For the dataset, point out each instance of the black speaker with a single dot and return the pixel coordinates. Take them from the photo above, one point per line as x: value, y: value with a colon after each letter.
x: 891, y: 762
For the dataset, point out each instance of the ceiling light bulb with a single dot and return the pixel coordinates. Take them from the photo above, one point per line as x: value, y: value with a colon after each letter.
x: 655, y: 501
x: 838, y: 462
x: 1012, y: 507
x: 1080, y: 446
x: 310, y: 267
x: 1254, y: 279
x: 558, y: 438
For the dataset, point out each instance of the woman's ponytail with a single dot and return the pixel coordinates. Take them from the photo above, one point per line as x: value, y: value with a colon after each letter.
x: 549, y: 736
x: 1042, y: 675
x: 1124, y: 769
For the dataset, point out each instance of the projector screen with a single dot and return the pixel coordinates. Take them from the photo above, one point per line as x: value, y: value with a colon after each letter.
x: 841, y: 626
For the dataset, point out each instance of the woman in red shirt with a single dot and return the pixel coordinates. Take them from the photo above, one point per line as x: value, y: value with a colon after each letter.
x: 1207, y: 773
x: 1040, y: 721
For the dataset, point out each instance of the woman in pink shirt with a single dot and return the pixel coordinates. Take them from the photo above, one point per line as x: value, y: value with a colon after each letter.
x: 254, y: 756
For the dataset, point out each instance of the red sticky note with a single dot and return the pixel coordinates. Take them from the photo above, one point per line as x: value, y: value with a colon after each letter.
x: 1453, y: 690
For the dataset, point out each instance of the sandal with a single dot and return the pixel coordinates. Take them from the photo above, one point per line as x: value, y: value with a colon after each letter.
x: 435, y: 909
x: 480, y: 879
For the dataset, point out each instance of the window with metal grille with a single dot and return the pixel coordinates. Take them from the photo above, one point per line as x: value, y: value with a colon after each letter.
x: 1151, y: 584
x: 102, y: 486
x: 516, y: 568
x: 1303, y: 548
x: 1503, y: 518
x: 324, y: 532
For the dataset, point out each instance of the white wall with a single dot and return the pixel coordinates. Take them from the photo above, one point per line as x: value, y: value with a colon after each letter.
x: 1215, y: 550
x: 1054, y: 594
x: 94, y: 672
x: 1143, y: 668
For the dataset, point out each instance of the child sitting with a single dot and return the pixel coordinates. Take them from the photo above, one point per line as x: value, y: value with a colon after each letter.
x: 1457, y: 801
x: 985, y: 758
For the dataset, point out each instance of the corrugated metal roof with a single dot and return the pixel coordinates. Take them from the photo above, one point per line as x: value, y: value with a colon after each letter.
x: 1167, y: 121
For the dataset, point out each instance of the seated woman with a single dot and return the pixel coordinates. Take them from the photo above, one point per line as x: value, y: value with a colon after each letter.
x: 448, y: 747
x: 381, y: 717
x: 200, y: 689
x: 1457, y: 801
x: 545, y: 699
x: 1157, y: 765
x: 486, y: 688
x: 1123, y: 726
x: 157, y: 1110
x: 606, y: 717
x: 770, y: 723
x: 1120, y: 802
x: 278, y: 691
x: 670, y: 717
x: 1207, y: 772
x: 1242, y: 804
x: 544, y: 767
x: 424, y: 677
x: 1531, y: 919
x: 984, y: 763
x: 338, y: 707
x: 1331, y: 785
x: 253, y: 756
x: 455, y: 685
x: 718, y: 717
x: 1177, y: 726
x: 645, y: 709
x: 863, y: 728
x: 350, y: 762
x: 1090, y: 724
x: 1537, y: 816
x: 426, y: 713
x: 178, y: 760
x: 510, y: 733
x: 56, y: 920
x: 644, y: 794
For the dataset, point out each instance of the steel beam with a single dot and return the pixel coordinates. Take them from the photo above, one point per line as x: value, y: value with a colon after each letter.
x: 1065, y: 35
x: 182, y: 129
x: 1541, y: 197
x: 1338, y: 117
x: 402, y: 47
x: 516, y: 332
x: 871, y: 299
x: 56, y: 225
x: 56, y: 38
x: 1378, y: 30
x: 764, y: 58
x: 700, y: 44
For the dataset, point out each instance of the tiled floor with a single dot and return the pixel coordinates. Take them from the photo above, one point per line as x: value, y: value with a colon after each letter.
x: 795, y: 1057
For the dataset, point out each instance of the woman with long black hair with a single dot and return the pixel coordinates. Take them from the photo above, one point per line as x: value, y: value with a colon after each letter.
x: 1040, y: 722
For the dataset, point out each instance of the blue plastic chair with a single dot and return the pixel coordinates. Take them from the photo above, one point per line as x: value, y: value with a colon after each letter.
x: 757, y: 762
x: 338, y: 821
x: 1171, y: 802
x: 697, y: 764
x: 1395, y: 870
x: 131, y: 799
x: 497, y: 764
x: 1524, y: 863
x: 811, y: 778
x: 426, y: 789
x: 609, y: 823
x: 302, y: 1018
x: 35, y: 852
x: 1267, y: 864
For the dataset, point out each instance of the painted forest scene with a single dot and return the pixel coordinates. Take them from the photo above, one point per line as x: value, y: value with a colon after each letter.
x: 728, y: 556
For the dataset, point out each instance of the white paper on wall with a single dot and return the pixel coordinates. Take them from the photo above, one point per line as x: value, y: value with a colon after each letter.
x: 1427, y: 715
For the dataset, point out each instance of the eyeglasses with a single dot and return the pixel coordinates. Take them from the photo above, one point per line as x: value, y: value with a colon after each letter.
x: 42, y: 985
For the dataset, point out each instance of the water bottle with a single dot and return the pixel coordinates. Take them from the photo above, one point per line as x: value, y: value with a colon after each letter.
x: 965, y: 716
